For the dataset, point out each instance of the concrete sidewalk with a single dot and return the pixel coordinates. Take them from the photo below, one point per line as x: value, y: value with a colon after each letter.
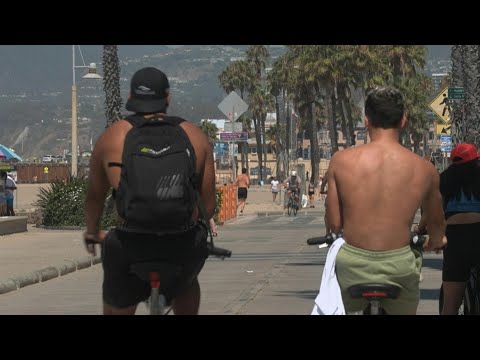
x: 22, y: 255
x: 272, y: 270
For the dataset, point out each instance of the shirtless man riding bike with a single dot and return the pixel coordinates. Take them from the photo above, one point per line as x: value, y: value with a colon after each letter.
x: 376, y: 219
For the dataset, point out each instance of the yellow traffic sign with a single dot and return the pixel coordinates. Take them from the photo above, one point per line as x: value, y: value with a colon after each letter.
x: 443, y: 129
x: 442, y: 106
x: 45, y: 170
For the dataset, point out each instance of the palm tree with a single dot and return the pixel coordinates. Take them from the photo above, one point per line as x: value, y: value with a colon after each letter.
x: 472, y: 98
x: 416, y: 91
x: 279, y: 79
x: 466, y: 73
x: 211, y: 130
x: 111, y: 83
x: 405, y: 59
x: 304, y: 89
x: 258, y: 56
x: 458, y: 76
x: 260, y: 104
x: 237, y: 76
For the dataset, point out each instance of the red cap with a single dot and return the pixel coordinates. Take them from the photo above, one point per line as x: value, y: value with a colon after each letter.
x: 463, y: 153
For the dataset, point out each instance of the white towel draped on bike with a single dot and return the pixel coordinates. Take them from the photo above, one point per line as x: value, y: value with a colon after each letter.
x: 329, y: 299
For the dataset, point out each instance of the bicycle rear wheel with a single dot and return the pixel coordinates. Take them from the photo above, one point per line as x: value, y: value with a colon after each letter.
x: 472, y: 296
x: 462, y: 310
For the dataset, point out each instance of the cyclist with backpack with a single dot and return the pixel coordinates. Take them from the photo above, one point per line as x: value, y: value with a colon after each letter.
x: 162, y: 174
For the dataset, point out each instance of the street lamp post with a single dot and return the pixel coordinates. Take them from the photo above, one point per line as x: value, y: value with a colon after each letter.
x: 92, y: 74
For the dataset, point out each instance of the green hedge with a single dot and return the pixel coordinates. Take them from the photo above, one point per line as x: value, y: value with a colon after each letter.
x: 63, y: 204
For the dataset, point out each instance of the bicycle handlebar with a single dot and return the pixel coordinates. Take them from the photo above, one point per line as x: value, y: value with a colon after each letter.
x: 417, y: 240
x: 219, y: 252
x: 321, y: 240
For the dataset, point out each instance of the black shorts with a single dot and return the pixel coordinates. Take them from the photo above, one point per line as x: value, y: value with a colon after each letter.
x: 120, y: 249
x: 311, y: 193
x: 462, y: 251
x: 242, y: 193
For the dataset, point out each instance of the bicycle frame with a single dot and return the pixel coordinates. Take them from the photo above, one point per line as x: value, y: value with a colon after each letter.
x: 471, y: 299
x: 157, y: 303
x: 292, y: 204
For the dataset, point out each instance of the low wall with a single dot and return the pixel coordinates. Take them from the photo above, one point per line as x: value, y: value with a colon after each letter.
x: 228, y: 210
x: 12, y: 224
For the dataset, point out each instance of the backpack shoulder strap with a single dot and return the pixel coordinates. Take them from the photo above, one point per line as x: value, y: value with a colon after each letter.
x: 173, y: 120
x: 136, y: 120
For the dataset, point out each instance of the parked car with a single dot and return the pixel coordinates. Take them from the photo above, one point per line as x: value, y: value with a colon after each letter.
x: 47, y: 158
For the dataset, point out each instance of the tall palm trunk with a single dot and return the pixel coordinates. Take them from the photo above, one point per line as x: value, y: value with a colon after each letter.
x: 345, y: 98
x: 278, y: 146
x: 315, y: 153
x: 244, y: 145
x: 458, y: 120
x: 264, y: 143
x: 111, y: 83
x: 417, y: 138
x: 257, y: 125
x: 332, y: 120
x: 288, y: 119
x: 471, y: 96
x: 243, y: 148
x: 343, y: 122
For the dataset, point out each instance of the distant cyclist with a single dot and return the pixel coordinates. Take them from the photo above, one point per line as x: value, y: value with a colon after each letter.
x: 293, y: 183
x: 376, y: 219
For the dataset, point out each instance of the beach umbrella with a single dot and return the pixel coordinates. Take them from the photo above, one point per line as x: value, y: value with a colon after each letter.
x: 9, y: 153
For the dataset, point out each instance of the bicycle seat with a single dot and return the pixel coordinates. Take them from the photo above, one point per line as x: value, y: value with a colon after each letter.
x: 374, y: 290
x: 143, y: 270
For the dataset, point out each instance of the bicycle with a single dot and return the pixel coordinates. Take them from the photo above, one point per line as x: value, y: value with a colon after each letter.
x: 292, y: 205
x: 471, y: 298
x: 150, y: 272
x: 372, y: 292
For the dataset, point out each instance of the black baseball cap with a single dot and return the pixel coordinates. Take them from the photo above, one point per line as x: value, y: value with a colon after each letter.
x: 148, y: 91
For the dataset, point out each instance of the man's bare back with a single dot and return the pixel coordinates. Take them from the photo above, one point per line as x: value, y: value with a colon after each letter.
x: 243, y: 181
x: 380, y: 187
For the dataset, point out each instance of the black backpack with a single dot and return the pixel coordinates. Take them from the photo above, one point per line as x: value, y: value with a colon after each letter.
x: 158, y: 184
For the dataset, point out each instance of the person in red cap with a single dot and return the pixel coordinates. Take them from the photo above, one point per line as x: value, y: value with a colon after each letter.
x: 460, y: 189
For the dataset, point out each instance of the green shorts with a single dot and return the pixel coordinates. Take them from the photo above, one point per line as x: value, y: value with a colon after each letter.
x: 397, y: 267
